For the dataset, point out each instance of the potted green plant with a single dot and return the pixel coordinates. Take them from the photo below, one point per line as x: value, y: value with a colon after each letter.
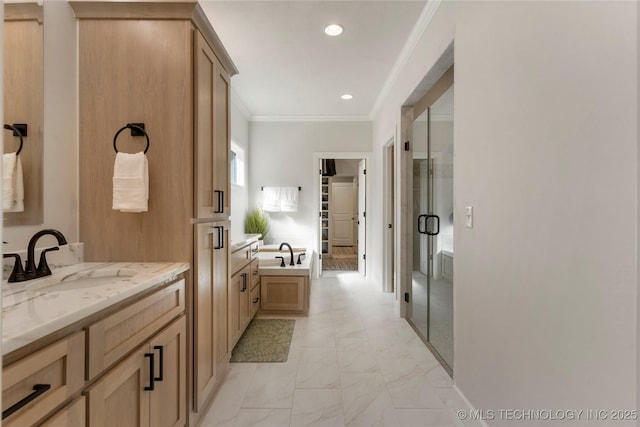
x: 256, y: 222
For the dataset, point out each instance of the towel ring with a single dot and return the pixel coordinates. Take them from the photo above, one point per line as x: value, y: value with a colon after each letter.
x: 133, y: 127
x: 16, y: 130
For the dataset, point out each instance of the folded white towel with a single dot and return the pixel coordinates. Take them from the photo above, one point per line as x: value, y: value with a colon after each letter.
x: 271, y: 199
x: 12, y: 183
x: 131, y: 182
x: 289, y: 199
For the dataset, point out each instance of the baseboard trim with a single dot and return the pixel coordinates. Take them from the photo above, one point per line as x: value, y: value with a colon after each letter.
x: 483, y: 423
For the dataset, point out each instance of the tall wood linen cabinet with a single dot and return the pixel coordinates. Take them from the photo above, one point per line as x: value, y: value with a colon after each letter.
x: 161, y: 64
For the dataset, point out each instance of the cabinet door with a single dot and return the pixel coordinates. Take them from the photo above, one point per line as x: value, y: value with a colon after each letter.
x: 245, y: 300
x: 221, y: 300
x: 255, y: 300
x: 211, y: 273
x: 239, y: 308
x: 119, y: 398
x: 222, y: 139
x: 211, y: 134
x: 168, y: 402
x: 283, y: 293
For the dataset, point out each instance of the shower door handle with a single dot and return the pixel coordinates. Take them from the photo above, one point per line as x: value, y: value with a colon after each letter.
x: 437, y: 229
x: 420, y: 222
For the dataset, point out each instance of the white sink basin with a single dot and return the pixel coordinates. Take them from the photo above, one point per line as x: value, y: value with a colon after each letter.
x: 82, y: 281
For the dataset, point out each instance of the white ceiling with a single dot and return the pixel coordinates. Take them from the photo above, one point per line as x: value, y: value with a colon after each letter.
x: 290, y: 69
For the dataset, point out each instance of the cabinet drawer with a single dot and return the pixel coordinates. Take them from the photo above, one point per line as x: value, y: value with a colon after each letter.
x: 74, y: 414
x: 113, y: 337
x: 255, y: 275
x: 254, y: 251
x: 240, y: 258
x: 60, y: 366
x: 243, y: 256
x: 255, y: 300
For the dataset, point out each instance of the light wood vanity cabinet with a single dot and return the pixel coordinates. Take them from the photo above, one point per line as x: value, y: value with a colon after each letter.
x: 135, y: 356
x: 244, y: 279
x: 162, y: 64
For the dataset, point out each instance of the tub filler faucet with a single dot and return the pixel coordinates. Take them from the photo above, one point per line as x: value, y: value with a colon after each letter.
x: 290, y: 251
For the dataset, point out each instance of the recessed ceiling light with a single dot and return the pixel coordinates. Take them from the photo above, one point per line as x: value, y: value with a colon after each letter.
x: 347, y: 96
x: 333, y: 30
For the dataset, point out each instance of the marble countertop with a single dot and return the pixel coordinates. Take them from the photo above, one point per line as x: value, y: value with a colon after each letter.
x: 242, y: 240
x: 31, y: 310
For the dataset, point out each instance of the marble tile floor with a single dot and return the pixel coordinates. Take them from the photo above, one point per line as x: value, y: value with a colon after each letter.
x: 352, y: 362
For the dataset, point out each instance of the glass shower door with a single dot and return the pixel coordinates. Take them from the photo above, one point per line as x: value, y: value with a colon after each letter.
x: 432, y: 276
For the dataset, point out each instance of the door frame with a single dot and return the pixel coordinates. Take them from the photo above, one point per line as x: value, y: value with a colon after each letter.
x: 388, y: 219
x: 317, y: 157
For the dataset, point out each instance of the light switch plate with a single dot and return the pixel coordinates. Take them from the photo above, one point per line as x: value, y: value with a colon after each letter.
x: 468, y: 211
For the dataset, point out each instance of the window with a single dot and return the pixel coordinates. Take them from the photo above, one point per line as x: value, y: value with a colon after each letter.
x: 236, y: 166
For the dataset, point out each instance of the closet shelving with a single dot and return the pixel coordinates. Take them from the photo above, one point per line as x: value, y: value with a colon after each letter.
x: 325, y: 188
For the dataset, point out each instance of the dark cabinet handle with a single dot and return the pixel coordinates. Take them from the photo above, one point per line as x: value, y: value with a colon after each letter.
x: 256, y: 300
x: 244, y: 282
x: 220, y: 237
x: 160, y: 361
x: 151, y: 386
x: 38, y: 389
x: 220, y: 199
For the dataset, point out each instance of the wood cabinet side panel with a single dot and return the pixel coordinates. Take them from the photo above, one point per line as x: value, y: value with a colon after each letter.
x: 283, y: 293
x: 23, y: 103
x: 136, y: 71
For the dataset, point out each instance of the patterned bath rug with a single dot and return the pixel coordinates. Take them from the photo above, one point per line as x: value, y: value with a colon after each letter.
x: 265, y: 340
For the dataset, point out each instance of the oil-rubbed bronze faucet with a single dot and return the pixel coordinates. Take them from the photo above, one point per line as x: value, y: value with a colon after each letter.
x: 30, y: 270
x: 290, y: 251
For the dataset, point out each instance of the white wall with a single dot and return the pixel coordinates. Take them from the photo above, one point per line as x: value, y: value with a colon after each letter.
x: 282, y: 156
x: 546, y: 151
x: 60, y: 172
x: 239, y: 194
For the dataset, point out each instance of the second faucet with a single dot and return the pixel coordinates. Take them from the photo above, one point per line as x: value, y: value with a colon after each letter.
x: 290, y: 251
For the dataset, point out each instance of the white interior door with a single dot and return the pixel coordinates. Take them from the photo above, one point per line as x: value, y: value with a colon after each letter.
x: 362, y: 217
x: 342, y: 214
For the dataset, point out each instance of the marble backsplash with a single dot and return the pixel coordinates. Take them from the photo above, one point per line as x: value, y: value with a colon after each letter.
x: 70, y: 254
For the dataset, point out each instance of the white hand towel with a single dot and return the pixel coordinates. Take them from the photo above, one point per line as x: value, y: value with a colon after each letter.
x: 131, y: 182
x: 271, y: 199
x: 12, y: 183
x: 289, y: 199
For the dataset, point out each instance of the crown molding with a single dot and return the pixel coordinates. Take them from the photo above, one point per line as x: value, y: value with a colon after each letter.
x: 418, y: 30
x: 360, y: 118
